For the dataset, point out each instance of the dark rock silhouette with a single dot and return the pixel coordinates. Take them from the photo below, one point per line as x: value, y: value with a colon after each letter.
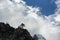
x: 35, y: 37
x: 38, y: 37
x: 9, y: 33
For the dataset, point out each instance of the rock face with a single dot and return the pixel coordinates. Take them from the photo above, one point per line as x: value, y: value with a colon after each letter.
x: 35, y: 37
x: 9, y: 33
x: 38, y: 37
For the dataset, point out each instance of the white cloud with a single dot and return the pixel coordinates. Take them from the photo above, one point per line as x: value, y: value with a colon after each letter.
x: 55, y: 21
x: 16, y: 12
x: 57, y: 18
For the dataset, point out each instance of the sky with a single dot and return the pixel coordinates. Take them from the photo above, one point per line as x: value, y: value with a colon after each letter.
x: 37, y: 19
x: 47, y: 6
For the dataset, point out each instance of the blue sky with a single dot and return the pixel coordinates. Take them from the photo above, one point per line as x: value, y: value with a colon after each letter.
x: 48, y: 6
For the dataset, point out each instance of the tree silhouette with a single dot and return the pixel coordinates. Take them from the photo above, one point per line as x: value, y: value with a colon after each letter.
x: 22, y: 25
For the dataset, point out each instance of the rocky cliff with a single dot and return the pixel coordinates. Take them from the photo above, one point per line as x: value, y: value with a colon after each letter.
x: 9, y: 33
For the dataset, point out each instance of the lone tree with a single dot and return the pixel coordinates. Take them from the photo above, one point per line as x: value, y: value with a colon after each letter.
x: 22, y: 25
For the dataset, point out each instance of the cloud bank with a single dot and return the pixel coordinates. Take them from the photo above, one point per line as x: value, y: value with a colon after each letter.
x: 16, y: 11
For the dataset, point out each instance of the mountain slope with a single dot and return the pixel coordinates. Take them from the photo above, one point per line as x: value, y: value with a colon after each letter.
x: 38, y: 37
x: 9, y: 33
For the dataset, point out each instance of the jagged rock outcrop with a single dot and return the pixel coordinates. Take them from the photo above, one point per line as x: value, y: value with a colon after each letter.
x: 35, y: 37
x: 9, y: 33
x: 38, y: 37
